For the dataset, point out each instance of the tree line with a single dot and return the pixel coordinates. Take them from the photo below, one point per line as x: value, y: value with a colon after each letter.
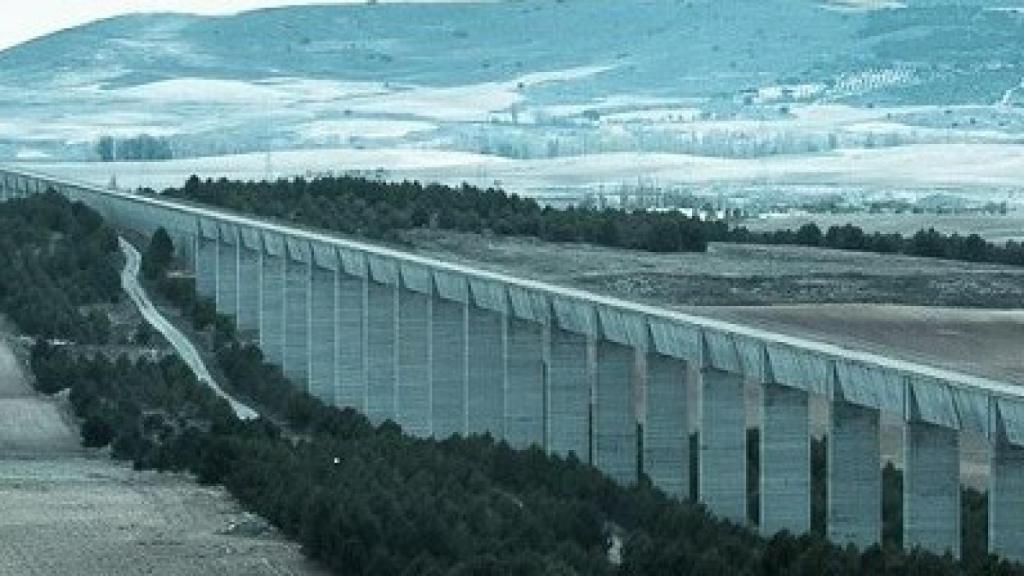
x: 381, y: 210
x: 928, y: 243
x: 141, y: 147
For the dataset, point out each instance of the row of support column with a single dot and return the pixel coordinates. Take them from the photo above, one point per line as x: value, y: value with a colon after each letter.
x: 13, y: 187
x: 441, y: 366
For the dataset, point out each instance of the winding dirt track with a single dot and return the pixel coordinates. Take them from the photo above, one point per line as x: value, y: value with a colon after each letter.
x: 185, y: 349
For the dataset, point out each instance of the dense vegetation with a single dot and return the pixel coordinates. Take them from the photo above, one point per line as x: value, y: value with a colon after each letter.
x: 380, y: 210
x: 57, y: 261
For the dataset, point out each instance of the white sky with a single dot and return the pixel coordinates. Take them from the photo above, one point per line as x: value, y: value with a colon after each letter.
x: 26, y: 19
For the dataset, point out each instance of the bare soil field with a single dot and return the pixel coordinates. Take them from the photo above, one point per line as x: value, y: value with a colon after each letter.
x: 963, y: 316
x: 68, y: 511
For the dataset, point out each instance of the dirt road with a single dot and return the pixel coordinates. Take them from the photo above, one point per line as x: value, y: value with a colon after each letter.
x: 182, y: 345
x: 65, y: 511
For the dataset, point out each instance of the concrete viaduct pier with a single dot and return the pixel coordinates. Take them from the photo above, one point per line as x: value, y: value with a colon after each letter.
x: 446, y: 349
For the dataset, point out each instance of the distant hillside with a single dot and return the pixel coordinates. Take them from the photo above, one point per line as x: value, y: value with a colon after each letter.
x: 266, y: 78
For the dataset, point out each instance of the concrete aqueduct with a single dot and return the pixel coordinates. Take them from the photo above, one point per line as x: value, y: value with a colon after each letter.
x: 442, y: 348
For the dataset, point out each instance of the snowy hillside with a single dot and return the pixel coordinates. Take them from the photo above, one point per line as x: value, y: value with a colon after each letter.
x: 528, y: 79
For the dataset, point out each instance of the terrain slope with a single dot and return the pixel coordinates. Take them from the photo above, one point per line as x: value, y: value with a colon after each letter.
x: 68, y: 511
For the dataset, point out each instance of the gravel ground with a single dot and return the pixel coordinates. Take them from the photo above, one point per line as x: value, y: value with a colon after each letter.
x: 68, y: 511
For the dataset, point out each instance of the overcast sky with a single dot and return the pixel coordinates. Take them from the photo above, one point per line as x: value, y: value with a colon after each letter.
x: 26, y: 19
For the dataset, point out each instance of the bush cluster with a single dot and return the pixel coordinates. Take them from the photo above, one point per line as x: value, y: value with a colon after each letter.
x: 58, y: 261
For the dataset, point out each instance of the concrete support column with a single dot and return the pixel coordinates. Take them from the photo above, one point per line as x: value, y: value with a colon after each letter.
x: 568, y: 395
x: 414, y: 412
x: 322, y: 335
x: 486, y: 340
x: 351, y: 342
x: 449, y: 369
x: 296, y: 322
x: 197, y: 255
x: 785, y: 461
x: 667, y: 430
x: 248, y: 289
x: 931, y: 488
x: 227, y: 279
x: 184, y: 248
x: 1006, y: 501
x: 524, y: 399
x: 207, y: 268
x: 272, y: 308
x: 615, y: 430
x: 854, y: 476
x: 723, y: 445
x: 382, y: 332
